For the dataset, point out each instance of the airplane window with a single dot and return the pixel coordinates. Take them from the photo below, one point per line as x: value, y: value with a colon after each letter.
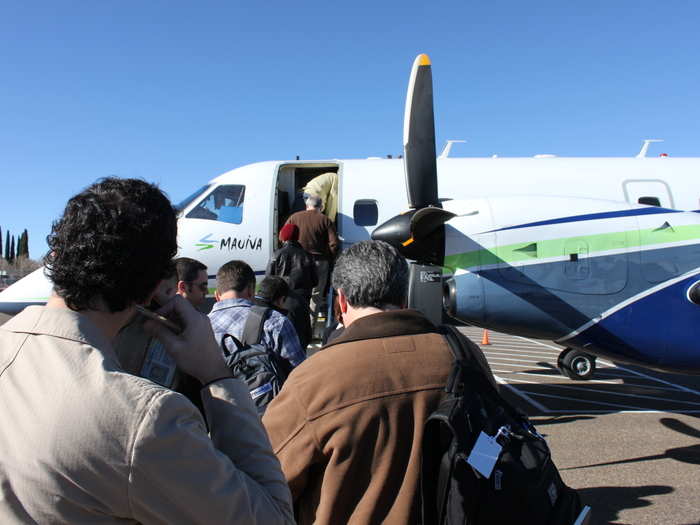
x: 649, y: 201
x: 189, y: 199
x: 224, y: 204
x: 365, y: 212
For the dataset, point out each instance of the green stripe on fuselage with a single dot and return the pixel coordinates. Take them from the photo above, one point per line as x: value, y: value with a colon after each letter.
x: 590, y: 244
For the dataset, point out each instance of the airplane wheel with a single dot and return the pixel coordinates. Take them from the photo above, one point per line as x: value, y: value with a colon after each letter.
x: 576, y: 365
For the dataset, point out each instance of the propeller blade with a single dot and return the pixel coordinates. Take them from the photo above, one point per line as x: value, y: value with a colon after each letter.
x: 426, y: 220
x: 417, y: 234
x: 419, y: 137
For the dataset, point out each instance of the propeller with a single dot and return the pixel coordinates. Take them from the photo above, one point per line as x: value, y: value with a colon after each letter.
x: 418, y: 233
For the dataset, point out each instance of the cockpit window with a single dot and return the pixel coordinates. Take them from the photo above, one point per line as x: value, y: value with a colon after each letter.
x: 188, y: 200
x: 224, y: 204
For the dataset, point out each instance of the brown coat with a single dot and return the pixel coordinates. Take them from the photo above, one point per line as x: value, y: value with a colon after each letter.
x: 316, y: 232
x: 348, y: 424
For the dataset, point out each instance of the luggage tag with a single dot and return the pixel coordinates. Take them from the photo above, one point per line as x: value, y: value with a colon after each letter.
x: 486, y: 452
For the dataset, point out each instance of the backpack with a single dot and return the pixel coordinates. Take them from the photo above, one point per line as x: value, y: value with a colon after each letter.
x: 263, y: 370
x: 483, y: 462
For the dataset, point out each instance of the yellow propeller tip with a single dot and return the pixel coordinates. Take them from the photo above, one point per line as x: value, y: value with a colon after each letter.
x: 423, y: 60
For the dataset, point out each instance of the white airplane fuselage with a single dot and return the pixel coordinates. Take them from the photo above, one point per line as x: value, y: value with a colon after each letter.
x: 372, y: 191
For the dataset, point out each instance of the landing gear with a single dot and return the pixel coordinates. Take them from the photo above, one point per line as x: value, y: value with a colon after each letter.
x: 576, y: 365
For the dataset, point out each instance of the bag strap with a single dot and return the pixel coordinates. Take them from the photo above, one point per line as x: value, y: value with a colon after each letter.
x: 236, y: 342
x: 252, y: 331
x: 466, y: 367
x: 463, y: 359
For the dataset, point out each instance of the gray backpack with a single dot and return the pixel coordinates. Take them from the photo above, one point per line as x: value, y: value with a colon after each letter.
x: 263, y: 370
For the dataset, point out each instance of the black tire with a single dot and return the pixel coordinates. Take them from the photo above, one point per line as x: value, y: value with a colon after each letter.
x: 576, y: 365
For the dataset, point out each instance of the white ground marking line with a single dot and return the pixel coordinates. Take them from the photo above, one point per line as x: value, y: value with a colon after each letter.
x: 520, y: 366
x: 636, y: 396
x: 557, y: 376
x: 537, y: 405
x: 510, y: 345
x: 596, y: 411
x: 498, y: 358
x: 640, y: 374
x: 601, y: 381
x: 588, y: 401
x: 536, y: 355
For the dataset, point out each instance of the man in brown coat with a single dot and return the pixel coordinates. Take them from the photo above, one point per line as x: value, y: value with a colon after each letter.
x: 348, y: 423
x: 318, y: 237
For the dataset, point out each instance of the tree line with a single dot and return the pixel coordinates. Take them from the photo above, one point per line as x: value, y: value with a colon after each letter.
x: 14, y: 250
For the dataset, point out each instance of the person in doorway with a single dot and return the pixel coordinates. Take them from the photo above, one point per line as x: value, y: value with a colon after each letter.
x: 318, y: 237
x: 325, y: 187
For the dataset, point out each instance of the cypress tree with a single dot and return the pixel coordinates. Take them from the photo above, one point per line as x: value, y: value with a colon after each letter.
x: 7, y: 245
x: 25, y: 244
x: 20, y: 245
x: 12, y: 250
x: 1, y: 251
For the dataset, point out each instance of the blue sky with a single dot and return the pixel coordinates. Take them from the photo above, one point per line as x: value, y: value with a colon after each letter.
x: 179, y: 92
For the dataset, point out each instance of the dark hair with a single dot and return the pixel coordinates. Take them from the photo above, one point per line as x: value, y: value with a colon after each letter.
x: 234, y: 275
x: 171, y: 271
x: 372, y: 273
x: 114, y: 242
x: 272, y: 288
x: 187, y: 269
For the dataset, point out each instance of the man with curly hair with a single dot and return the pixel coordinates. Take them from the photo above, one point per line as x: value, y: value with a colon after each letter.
x: 85, y: 442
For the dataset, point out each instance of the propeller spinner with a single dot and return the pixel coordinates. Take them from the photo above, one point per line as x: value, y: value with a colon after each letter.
x: 418, y: 233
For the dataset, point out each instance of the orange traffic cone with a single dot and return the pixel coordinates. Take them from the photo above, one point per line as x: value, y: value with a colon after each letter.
x: 485, y: 338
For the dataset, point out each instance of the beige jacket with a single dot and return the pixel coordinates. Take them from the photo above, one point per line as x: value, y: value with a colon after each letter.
x: 325, y: 186
x: 81, y: 441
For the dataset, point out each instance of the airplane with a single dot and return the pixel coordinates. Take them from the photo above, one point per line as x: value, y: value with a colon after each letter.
x: 600, y: 277
x: 489, y: 254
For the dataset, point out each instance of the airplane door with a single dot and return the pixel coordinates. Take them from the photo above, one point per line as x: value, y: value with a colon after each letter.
x: 648, y: 191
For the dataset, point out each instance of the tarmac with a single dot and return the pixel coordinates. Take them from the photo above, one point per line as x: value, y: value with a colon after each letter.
x: 627, y: 440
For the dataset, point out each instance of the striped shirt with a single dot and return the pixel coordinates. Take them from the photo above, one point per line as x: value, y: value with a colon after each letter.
x: 229, y: 317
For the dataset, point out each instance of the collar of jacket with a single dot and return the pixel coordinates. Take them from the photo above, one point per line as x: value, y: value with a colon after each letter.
x: 230, y: 303
x: 292, y: 243
x: 59, y: 322
x: 390, y: 323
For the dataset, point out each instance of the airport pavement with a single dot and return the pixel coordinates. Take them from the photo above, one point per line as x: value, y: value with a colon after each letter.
x: 628, y: 440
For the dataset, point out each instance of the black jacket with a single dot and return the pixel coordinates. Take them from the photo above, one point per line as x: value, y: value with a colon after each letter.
x: 296, y: 266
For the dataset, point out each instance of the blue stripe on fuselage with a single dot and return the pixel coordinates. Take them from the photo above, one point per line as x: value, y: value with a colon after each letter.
x: 660, y: 330
x: 652, y: 210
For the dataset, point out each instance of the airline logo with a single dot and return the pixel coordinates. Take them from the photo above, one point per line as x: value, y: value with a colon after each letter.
x: 229, y: 243
x: 206, y: 243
